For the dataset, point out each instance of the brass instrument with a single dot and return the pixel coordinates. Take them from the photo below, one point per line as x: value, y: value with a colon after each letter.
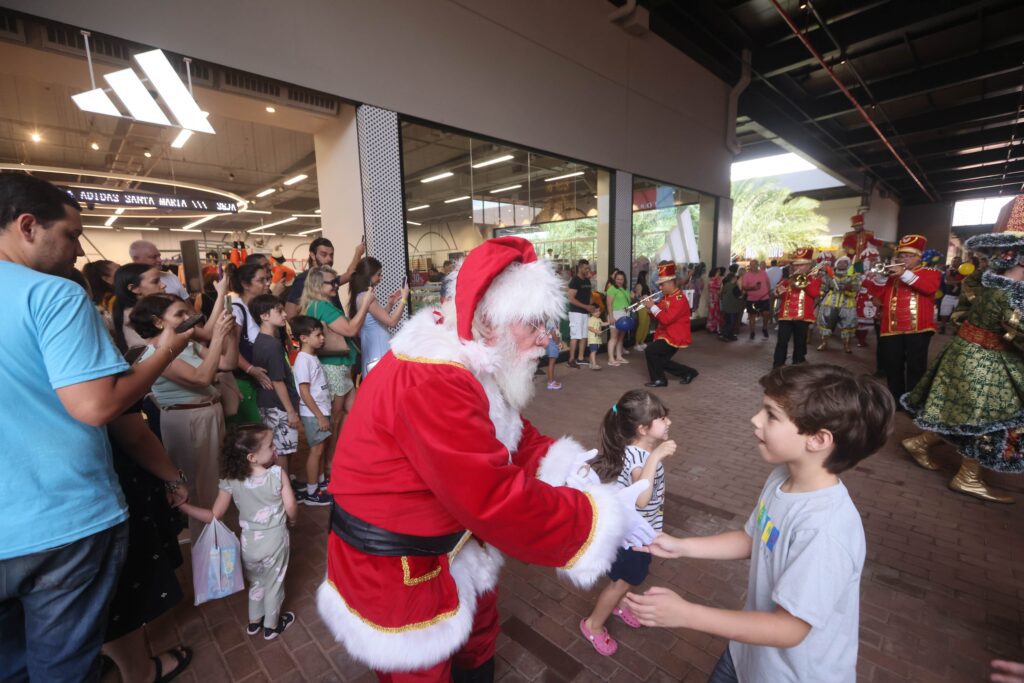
x: 801, y: 280
x: 882, y: 268
x: 639, y: 303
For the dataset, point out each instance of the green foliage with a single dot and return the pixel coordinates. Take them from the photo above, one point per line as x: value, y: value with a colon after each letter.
x: 767, y: 220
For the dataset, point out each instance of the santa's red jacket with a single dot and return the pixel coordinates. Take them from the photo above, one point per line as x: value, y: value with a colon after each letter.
x: 431, y: 448
x: 908, y: 301
x: 673, y: 315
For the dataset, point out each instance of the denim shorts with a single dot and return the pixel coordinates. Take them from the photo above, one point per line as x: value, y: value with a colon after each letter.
x: 553, y: 349
x: 314, y: 435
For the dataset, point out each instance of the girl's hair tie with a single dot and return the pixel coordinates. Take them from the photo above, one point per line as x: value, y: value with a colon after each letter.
x: 615, y: 408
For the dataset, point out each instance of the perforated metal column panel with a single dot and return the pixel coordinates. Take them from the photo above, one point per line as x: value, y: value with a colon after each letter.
x: 622, y: 222
x: 380, y: 165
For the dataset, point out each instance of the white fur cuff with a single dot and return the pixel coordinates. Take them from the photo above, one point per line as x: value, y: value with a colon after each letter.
x: 598, y: 554
x: 556, y: 464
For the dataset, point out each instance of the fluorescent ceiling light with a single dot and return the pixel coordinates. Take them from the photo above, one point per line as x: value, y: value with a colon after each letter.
x: 119, y: 211
x: 96, y: 101
x: 98, y: 227
x: 141, y: 228
x: 136, y: 98
x: 200, y: 221
x: 505, y: 189
x: 456, y: 199
x: 317, y: 211
x: 270, y: 225
x: 181, y: 230
x: 270, y: 110
x: 309, y: 232
x: 305, y: 215
x: 417, y: 208
x: 496, y: 160
x: 296, y: 179
x: 413, y: 223
x: 267, y: 192
x: 563, y: 177
x: 110, y: 221
x: 182, y: 138
x: 255, y: 211
x: 439, y: 176
x: 174, y: 93
x: 223, y: 232
x: 147, y: 154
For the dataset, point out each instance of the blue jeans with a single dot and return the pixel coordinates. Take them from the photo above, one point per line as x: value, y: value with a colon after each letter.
x: 53, y: 608
x: 725, y: 671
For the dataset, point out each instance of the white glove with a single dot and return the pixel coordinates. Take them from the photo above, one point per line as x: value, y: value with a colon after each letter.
x: 581, y: 474
x: 638, y: 530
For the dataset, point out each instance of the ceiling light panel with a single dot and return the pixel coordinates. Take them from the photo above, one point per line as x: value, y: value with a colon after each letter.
x: 200, y: 221
x: 270, y: 225
x: 136, y: 98
x: 505, y: 189
x: 456, y: 199
x: 96, y: 101
x: 110, y: 221
x: 174, y: 93
x: 182, y: 138
x: 496, y: 160
x: 309, y: 232
x: 439, y: 176
x: 254, y: 211
x: 419, y: 208
x: 296, y: 179
x: 266, y: 193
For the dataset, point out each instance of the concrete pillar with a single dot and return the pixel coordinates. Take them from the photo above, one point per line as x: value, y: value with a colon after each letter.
x: 707, y: 231
x: 722, y: 244
x: 359, y: 174
x: 338, y: 182
x: 621, y: 221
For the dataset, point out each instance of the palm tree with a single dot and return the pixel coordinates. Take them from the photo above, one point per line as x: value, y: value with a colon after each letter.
x: 767, y: 220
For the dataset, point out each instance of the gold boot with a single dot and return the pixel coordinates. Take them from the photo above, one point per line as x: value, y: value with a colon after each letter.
x: 969, y: 480
x: 823, y: 346
x: 918, y: 447
x: 846, y: 345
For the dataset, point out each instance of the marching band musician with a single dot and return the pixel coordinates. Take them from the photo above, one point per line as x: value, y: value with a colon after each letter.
x: 796, y: 307
x: 907, y: 293
x: 673, y: 315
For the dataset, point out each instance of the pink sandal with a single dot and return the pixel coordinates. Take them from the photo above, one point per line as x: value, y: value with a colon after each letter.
x: 602, y: 642
x: 627, y: 616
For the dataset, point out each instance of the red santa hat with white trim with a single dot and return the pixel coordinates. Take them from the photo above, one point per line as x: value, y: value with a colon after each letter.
x: 505, y: 282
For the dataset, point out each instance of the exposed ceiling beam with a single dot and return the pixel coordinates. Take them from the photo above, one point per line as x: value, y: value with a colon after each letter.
x: 876, y: 28
x: 936, y: 76
x: 998, y: 136
x: 988, y: 157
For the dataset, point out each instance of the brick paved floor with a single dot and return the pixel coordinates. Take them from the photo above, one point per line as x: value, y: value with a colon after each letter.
x: 940, y: 595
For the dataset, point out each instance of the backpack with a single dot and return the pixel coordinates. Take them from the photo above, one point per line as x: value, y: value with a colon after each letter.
x: 244, y: 343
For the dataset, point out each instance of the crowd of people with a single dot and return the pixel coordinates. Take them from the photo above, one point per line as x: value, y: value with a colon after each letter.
x: 133, y: 418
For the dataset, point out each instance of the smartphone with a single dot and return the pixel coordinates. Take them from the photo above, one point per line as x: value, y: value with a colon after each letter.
x: 197, y: 319
x: 405, y: 282
x: 132, y: 354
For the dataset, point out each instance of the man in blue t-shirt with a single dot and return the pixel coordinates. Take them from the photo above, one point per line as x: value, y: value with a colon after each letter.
x: 64, y: 534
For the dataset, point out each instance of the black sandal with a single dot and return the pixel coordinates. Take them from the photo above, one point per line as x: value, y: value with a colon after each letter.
x: 182, y: 657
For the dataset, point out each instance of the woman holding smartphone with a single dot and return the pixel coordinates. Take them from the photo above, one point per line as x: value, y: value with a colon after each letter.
x: 375, y: 337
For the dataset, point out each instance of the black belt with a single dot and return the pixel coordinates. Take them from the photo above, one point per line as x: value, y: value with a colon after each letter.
x: 373, y: 540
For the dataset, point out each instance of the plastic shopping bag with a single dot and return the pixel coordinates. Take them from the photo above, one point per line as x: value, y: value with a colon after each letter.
x: 216, y: 566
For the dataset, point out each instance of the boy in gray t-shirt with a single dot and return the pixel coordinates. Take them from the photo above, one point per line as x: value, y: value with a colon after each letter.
x: 804, y: 537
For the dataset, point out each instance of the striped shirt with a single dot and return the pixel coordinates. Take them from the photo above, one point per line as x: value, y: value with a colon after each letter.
x: 654, y: 511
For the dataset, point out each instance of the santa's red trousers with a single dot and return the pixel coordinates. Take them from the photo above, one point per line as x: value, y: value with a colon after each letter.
x: 477, y: 650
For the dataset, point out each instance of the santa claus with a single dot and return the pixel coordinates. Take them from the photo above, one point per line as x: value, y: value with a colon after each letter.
x: 436, y: 476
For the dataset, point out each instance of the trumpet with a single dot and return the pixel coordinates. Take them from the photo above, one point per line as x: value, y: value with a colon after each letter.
x: 801, y: 280
x: 882, y: 268
x: 639, y: 303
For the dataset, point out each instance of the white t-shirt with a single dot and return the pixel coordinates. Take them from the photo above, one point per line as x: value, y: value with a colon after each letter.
x: 242, y: 314
x: 308, y: 370
x: 808, y: 555
x: 635, y: 458
x: 172, y: 285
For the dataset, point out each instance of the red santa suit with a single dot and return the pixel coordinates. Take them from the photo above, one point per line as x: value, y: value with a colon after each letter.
x: 433, y: 455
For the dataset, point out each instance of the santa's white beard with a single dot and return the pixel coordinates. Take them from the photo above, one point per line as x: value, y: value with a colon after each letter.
x: 515, y: 372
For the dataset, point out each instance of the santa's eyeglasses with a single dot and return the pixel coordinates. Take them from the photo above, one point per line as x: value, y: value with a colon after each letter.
x: 543, y: 334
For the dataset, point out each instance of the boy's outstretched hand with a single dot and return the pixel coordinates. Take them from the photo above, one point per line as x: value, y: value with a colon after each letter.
x: 1006, y: 672
x: 663, y: 545
x: 659, y: 607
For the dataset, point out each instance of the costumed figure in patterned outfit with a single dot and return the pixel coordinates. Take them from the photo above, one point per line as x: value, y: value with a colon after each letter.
x: 839, y: 304
x: 796, y: 294
x: 672, y: 311
x: 857, y: 239
x: 436, y: 476
x: 867, y: 303
x: 907, y: 292
x: 973, y: 393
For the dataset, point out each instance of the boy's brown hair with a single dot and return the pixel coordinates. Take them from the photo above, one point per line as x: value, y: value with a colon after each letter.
x: 856, y: 409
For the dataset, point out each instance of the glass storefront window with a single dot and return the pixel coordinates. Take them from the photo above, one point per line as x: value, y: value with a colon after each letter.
x: 461, y: 190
